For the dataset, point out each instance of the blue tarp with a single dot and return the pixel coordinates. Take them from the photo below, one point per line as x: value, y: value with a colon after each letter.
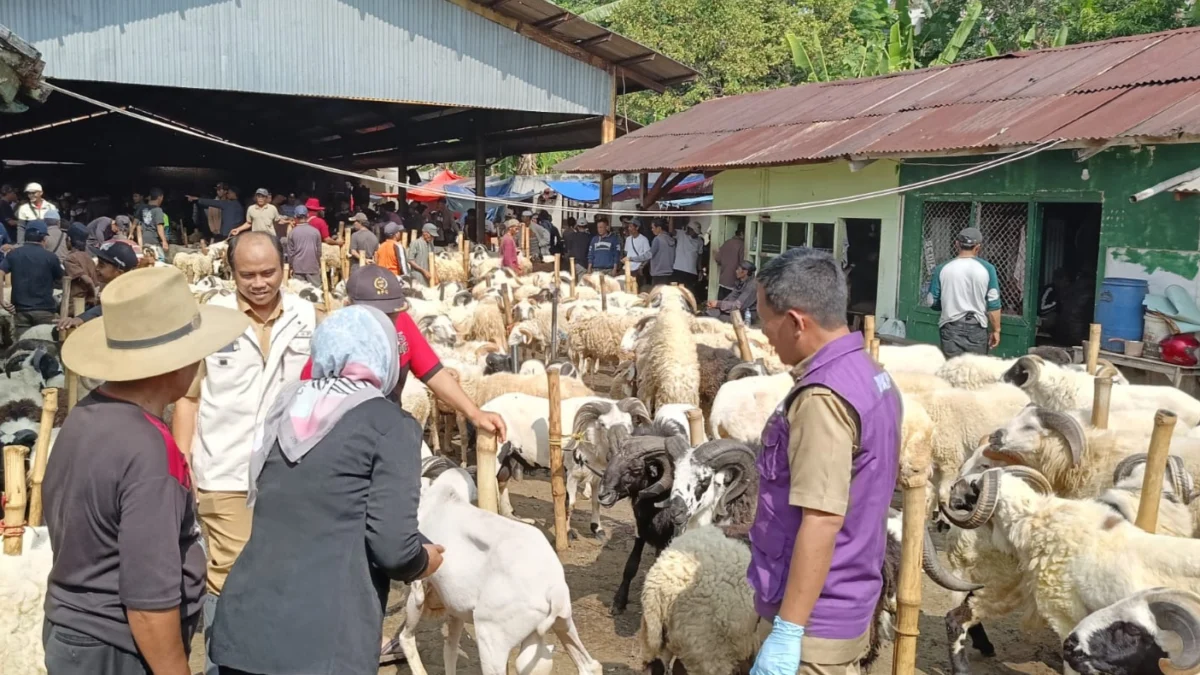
x: 687, y: 201
x: 501, y: 189
x: 580, y: 191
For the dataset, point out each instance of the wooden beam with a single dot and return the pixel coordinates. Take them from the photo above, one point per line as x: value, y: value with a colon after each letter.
x: 556, y: 20
x: 608, y: 133
x: 1084, y: 154
x: 660, y: 189
x: 634, y: 60
x: 599, y: 39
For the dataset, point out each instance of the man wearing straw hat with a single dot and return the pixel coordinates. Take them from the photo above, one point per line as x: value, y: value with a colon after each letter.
x: 215, y: 422
x: 125, y: 591
x: 826, y: 473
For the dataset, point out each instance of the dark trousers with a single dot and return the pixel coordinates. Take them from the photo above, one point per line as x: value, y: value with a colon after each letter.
x: 661, y: 281
x: 964, y: 336
x: 24, y: 320
x: 687, y: 280
x: 69, y: 652
x: 314, y: 279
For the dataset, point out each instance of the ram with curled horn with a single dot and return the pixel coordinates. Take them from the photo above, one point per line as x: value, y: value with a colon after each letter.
x: 641, y: 468
x: 1152, y: 631
x: 590, y: 448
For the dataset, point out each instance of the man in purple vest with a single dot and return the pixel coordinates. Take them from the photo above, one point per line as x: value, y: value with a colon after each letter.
x: 827, y: 471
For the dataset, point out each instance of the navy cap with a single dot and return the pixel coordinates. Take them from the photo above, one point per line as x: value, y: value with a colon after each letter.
x: 118, y: 254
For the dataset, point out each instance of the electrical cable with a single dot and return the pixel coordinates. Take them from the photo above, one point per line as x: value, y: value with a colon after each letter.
x: 801, y: 206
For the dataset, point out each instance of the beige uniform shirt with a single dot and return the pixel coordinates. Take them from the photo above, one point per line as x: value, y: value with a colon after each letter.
x: 262, y: 218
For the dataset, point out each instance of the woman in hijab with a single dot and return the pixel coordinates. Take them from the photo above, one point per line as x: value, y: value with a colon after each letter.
x: 335, y: 483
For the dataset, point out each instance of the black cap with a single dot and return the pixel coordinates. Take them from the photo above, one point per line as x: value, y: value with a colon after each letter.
x: 969, y: 237
x: 376, y: 287
x: 748, y: 266
x: 118, y: 254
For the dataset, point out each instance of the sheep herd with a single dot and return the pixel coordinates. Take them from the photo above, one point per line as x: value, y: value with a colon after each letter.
x: 1037, y: 504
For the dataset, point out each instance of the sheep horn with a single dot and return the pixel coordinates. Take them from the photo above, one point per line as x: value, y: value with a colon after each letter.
x: 1024, y: 371
x: 689, y: 298
x: 635, y: 408
x: 1181, y: 480
x: 587, y: 414
x: 985, y: 505
x: 664, y: 483
x: 747, y: 369
x: 1178, y: 612
x: 1126, y: 466
x: 725, y: 453
x: 1032, y: 476
x: 1105, y: 368
x: 939, y: 574
x: 1070, y: 429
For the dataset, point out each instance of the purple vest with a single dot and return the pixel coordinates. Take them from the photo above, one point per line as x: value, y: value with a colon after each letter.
x: 844, y: 609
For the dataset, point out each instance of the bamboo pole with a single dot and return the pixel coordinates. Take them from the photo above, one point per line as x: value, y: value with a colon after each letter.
x: 64, y: 309
x: 525, y: 241
x: 14, y: 496
x: 1100, y: 402
x: 433, y: 275
x: 558, y: 476
x: 287, y: 272
x: 868, y: 329
x: 506, y: 296
x: 908, y: 592
x: 466, y: 254
x: 603, y: 293
x: 1156, y: 466
x: 325, y: 287
x: 71, y: 376
x: 41, y: 454
x: 572, y: 263
x: 739, y: 329
x: 629, y: 287
x: 345, y: 251
x: 557, y: 270
x: 695, y: 420
x: 77, y: 306
x: 1093, y: 351
x: 875, y: 349
x: 485, y: 471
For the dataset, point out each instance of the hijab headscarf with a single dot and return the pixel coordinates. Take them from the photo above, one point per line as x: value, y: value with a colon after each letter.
x: 355, y: 359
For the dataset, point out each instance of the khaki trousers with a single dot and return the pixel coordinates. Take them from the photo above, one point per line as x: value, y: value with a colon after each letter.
x: 225, y: 520
x: 836, y: 657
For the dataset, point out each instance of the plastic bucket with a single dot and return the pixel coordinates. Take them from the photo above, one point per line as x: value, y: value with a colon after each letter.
x: 1119, y: 311
x: 1156, y: 329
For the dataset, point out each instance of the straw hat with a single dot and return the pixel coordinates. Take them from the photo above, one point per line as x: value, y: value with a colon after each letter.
x: 151, y: 325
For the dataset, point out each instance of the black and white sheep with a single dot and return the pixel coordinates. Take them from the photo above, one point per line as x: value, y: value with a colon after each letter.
x: 1150, y: 632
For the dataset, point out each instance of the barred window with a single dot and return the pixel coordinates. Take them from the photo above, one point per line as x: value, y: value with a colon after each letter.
x: 1003, y: 226
x: 941, y: 222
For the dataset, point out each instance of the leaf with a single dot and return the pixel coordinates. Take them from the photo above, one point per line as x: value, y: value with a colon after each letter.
x: 991, y: 49
x: 960, y: 36
x: 895, y: 50
x: 824, y: 73
x: 1060, y: 37
x: 1026, y: 40
x: 800, y: 56
x: 602, y: 12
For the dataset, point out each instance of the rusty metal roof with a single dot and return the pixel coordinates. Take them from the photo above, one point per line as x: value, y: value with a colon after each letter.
x: 1143, y: 88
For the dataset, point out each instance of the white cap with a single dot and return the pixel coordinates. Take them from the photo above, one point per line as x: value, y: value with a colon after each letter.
x: 33, y: 187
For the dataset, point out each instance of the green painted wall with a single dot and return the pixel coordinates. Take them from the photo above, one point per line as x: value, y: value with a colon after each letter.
x: 1148, y: 231
x: 753, y: 188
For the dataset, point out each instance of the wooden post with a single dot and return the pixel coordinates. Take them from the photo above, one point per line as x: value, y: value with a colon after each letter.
x: 908, y: 592
x: 466, y: 254
x: 629, y: 287
x: 41, y: 454
x: 558, y: 476
x: 1156, y: 466
x: 77, y: 306
x: 695, y: 420
x: 739, y: 329
x: 325, y: 287
x: 507, y: 304
x: 557, y: 270
x: 875, y: 349
x: 572, y: 262
x: 14, y: 495
x: 71, y: 376
x: 287, y: 272
x: 1100, y: 402
x: 64, y: 309
x: 868, y: 329
x: 525, y: 241
x: 433, y: 275
x: 1093, y: 351
x: 603, y: 292
x: 485, y: 471
x: 345, y: 251
x: 608, y: 133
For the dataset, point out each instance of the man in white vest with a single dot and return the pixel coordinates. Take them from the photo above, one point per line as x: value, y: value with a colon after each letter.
x: 215, y: 423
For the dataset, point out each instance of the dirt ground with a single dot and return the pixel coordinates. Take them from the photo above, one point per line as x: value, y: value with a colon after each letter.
x: 594, y: 571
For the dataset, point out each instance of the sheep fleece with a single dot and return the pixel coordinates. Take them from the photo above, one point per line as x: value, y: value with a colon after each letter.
x: 668, y: 369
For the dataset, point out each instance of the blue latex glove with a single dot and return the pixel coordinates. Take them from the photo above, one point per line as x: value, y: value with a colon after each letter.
x: 780, y: 652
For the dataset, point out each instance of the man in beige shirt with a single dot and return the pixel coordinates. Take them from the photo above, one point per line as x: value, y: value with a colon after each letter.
x: 261, y: 215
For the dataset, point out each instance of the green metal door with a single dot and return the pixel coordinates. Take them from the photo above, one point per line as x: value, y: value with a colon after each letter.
x: 1011, y: 229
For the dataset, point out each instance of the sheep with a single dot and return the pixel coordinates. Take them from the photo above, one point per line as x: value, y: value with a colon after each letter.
x: 29, y: 367
x: 22, y: 596
x: 971, y: 371
x: 677, y: 414
x: 673, y: 297
x: 194, y: 265
x: 715, y: 484
x: 1131, y: 636
x: 640, y: 467
x: 741, y: 407
x: 503, y: 577
x: 1072, y: 557
x: 919, y: 358
x: 590, y: 446
x: 596, y: 338
x: 1177, y: 511
x: 1064, y: 389
x: 668, y: 370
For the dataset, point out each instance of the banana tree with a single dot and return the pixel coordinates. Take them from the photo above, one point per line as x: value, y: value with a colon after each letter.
x: 1029, y: 40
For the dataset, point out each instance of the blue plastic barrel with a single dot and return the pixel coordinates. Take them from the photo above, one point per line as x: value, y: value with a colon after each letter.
x: 1119, y: 311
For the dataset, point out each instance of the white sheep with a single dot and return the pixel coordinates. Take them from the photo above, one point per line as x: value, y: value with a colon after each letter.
x: 919, y: 358
x: 1152, y: 631
x: 594, y: 338
x: 499, y: 574
x: 22, y: 596
x: 668, y: 370
x: 741, y: 407
x: 971, y: 371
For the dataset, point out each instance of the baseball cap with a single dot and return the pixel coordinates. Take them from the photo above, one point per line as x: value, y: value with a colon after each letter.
x: 33, y: 187
x: 512, y: 222
x: 301, y: 211
x: 391, y: 229
x: 51, y: 214
x: 526, y: 213
x: 360, y: 218
x: 122, y: 220
x: 263, y: 192
x: 35, y: 230
x: 373, y: 286
x: 970, y: 236
x: 430, y: 228
x: 118, y: 254
x: 694, y: 227
x: 748, y: 266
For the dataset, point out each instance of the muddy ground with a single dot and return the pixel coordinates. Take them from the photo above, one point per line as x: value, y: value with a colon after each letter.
x: 594, y: 571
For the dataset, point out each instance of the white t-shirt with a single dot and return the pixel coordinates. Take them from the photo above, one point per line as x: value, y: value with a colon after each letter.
x: 28, y: 211
x: 637, y: 249
x: 687, y: 252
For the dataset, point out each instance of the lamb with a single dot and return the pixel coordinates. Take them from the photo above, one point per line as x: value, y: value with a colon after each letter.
x: 1133, y: 636
x: 503, y: 577
x: 640, y: 467
x: 22, y: 596
x: 1073, y: 556
x: 741, y: 407
x: 1062, y: 389
x: 668, y: 370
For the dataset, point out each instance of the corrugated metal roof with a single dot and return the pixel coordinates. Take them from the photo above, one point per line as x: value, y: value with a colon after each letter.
x: 1191, y: 187
x: 1145, y: 87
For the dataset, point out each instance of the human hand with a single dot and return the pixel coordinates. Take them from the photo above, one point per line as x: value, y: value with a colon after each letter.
x: 435, y: 552
x: 8, y: 307
x: 780, y: 652
x: 192, y: 198
x: 491, y: 423
x: 69, y: 323
x: 994, y: 339
x: 712, y: 304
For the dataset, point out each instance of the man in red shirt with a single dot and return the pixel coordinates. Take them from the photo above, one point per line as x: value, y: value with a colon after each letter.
x: 315, y: 211
x: 508, y: 246
x: 374, y: 286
